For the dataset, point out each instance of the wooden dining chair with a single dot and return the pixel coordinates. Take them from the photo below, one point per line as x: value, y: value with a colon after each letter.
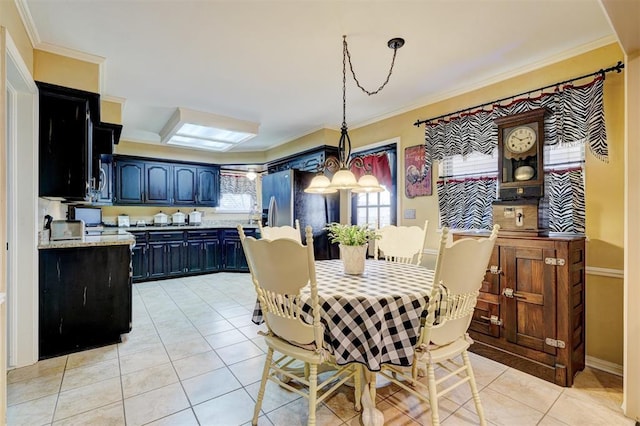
x: 460, y: 270
x: 280, y: 269
x: 276, y: 232
x: 402, y: 244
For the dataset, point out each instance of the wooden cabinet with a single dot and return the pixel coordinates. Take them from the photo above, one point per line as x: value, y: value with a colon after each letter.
x: 234, y: 258
x: 167, y: 254
x: 308, y: 161
x: 170, y: 254
x: 158, y: 184
x: 84, y: 298
x: 139, y: 258
x: 129, y: 181
x: 531, y: 309
x: 208, y: 193
x: 65, y: 141
x: 144, y: 181
x: 204, y: 252
x: 184, y: 185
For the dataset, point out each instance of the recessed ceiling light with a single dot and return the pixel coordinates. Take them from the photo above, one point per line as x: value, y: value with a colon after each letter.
x: 201, y: 130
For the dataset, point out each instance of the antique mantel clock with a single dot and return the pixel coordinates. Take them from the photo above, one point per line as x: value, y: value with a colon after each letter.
x: 520, y: 171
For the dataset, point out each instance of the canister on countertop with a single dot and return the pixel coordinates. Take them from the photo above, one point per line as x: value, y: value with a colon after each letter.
x: 195, y: 217
x: 178, y: 218
x: 160, y: 219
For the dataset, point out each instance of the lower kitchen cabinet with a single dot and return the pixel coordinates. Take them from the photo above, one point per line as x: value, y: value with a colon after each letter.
x: 171, y: 254
x: 84, y: 298
x: 530, y: 313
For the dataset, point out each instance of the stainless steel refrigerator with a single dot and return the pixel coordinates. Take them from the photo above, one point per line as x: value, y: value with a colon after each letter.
x: 284, y: 201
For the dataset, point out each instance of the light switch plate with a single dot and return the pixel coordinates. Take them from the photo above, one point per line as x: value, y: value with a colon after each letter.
x: 410, y: 213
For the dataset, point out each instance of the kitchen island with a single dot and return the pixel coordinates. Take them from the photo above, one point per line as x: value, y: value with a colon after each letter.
x: 84, y: 292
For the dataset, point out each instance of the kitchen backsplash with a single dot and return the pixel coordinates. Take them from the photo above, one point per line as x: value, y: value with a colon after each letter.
x: 58, y: 211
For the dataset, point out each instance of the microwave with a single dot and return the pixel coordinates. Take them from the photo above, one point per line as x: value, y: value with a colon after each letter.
x: 91, y: 216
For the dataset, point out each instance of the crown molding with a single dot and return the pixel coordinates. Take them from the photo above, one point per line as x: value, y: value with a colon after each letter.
x: 438, y: 97
x: 71, y: 53
x: 114, y: 99
x: 27, y: 21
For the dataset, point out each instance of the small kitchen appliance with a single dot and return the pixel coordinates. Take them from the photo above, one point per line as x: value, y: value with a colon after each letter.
x: 178, y: 218
x: 92, y: 216
x: 160, y: 219
x: 67, y: 230
x: 123, y: 221
x: 195, y: 217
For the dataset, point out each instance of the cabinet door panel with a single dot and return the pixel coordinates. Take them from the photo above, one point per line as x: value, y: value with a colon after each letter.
x: 176, y: 261
x: 212, y: 255
x: 157, y: 183
x: 195, y: 256
x: 481, y: 321
x: 530, y: 315
x: 491, y: 283
x: 157, y: 260
x: 129, y: 182
x: 139, y: 262
x: 208, y: 186
x: 184, y: 185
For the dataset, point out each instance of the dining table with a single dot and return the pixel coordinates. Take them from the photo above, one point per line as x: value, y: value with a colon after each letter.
x: 372, y: 319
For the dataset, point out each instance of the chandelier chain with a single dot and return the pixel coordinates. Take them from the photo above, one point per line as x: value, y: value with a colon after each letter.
x: 348, y: 55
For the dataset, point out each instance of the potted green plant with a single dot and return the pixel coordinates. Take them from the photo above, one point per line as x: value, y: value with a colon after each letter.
x: 352, y: 241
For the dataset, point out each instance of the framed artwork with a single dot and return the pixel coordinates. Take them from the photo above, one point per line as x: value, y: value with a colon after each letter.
x: 417, y: 176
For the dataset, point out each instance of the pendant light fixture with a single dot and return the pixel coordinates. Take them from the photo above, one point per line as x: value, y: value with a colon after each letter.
x: 345, y: 179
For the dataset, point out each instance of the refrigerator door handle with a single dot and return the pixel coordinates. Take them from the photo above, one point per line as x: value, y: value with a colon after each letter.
x: 271, y: 215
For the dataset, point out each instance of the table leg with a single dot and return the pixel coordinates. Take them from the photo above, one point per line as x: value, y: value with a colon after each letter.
x: 370, y: 415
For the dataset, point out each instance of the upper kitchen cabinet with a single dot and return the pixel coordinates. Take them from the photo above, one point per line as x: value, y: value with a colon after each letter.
x: 307, y: 161
x: 105, y: 135
x: 184, y: 185
x: 66, y: 137
x: 208, y: 186
x: 129, y: 181
x: 158, y: 184
x: 146, y: 181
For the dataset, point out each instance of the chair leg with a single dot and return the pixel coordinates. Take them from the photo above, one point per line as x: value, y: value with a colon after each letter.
x: 313, y: 393
x: 433, y: 394
x: 357, y: 383
x: 263, y: 384
x: 474, y: 388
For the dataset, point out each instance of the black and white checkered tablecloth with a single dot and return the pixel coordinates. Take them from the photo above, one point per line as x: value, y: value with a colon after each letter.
x: 372, y: 318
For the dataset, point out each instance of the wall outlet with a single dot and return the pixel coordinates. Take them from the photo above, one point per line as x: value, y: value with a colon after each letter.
x: 410, y: 213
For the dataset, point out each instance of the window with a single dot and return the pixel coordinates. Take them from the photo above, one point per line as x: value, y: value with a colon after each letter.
x: 379, y: 208
x: 373, y: 209
x: 237, y: 193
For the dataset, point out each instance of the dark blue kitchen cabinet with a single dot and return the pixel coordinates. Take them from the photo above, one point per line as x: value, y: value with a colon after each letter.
x: 65, y: 141
x: 165, y: 183
x: 129, y: 181
x: 204, y: 253
x: 158, y: 184
x: 234, y: 258
x: 208, y: 186
x: 184, y: 185
x: 84, y: 298
x: 139, y: 258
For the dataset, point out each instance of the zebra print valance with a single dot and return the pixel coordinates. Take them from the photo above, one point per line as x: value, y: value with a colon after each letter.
x: 576, y: 116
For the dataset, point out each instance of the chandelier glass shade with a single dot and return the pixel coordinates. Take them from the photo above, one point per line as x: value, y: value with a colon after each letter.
x: 344, y: 179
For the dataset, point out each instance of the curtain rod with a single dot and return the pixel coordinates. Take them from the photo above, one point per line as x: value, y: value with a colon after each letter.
x: 618, y: 68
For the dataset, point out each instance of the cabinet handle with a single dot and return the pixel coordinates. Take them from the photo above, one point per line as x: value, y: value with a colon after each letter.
x: 509, y: 292
x: 493, y: 319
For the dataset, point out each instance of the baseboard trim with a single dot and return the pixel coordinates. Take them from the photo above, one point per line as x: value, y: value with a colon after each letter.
x: 600, y: 364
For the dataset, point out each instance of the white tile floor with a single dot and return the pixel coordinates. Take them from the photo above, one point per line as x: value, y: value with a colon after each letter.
x: 194, y: 357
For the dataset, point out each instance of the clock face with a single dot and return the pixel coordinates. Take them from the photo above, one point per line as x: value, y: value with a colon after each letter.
x: 521, y: 139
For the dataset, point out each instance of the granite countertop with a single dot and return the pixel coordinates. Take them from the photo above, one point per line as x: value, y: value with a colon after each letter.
x: 108, y: 237
x: 206, y: 225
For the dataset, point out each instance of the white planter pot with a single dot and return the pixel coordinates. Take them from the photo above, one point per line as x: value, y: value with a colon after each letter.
x: 353, y: 258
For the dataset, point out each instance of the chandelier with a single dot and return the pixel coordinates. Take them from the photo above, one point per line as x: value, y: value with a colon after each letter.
x: 344, y: 178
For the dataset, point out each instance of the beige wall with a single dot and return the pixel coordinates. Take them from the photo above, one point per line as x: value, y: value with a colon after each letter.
x: 605, y: 181
x: 10, y: 19
x: 64, y: 71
